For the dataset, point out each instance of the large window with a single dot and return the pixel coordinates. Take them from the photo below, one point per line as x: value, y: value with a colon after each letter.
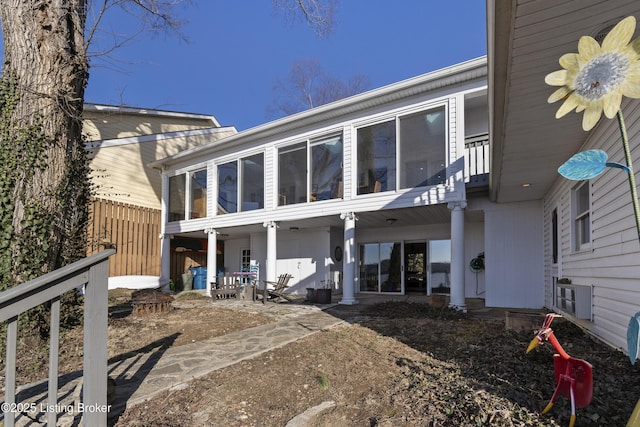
x: 422, y: 149
x: 252, y: 182
x: 406, y: 152
x: 177, y: 197
x: 326, y: 169
x: 199, y: 194
x: 310, y: 171
x: 377, y: 158
x: 228, y: 188
x: 581, y: 199
x: 249, y: 189
x: 292, y: 174
x: 191, y: 188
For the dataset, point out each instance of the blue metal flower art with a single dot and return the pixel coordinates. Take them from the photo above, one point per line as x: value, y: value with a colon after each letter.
x: 586, y: 165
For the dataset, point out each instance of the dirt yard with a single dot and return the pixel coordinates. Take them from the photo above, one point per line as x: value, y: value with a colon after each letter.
x: 390, y: 364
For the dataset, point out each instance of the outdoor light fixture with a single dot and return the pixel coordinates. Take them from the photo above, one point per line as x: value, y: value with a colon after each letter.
x: 294, y: 229
x: 391, y: 221
x: 525, y: 185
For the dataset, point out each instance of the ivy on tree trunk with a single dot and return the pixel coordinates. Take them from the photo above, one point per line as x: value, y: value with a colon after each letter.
x: 44, y: 183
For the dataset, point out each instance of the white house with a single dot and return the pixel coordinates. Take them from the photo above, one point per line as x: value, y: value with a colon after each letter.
x: 383, y: 192
x: 393, y: 190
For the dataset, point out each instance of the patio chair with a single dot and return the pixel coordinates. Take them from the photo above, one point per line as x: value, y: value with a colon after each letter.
x: 276, y: 293
x: 225, y: 287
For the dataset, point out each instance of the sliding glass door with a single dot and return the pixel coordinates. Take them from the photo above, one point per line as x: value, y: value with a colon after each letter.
x: 440, y: 266
x: 381, y: 267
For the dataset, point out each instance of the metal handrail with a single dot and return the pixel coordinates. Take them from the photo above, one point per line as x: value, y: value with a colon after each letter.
x: 92, y: 272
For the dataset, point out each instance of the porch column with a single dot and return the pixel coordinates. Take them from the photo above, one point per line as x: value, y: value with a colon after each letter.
x: 212, y: 251
x: 165, y: 258
x: 271, y: 227
x: 457, y: 256
x: 349, y: 259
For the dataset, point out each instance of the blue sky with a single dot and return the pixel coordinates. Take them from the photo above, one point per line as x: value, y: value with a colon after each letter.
x: 237, y: 50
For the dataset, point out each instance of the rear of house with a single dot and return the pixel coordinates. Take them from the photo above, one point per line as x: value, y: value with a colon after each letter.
x: 384, y: 192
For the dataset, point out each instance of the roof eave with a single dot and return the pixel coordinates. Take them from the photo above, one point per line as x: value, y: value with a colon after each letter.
x: 499, y: 30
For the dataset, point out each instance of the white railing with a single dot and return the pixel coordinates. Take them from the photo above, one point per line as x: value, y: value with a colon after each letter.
x: 91, y: 272
x: 476, y: 160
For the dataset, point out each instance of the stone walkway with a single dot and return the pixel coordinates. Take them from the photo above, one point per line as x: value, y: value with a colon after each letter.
x: 145, y: 375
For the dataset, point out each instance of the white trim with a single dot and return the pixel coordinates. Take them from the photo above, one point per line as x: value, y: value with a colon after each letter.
x: 443, y: 79
x: 148, y: 112
x: 105, y: 143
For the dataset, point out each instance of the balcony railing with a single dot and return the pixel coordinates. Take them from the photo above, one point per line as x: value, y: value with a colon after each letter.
x: 476, y: 160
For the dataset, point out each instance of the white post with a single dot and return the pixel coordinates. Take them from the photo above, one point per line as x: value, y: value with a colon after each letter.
x: 165, y: 259
x: 212, y: 251
x: 271, y: 227
x: 349, y: 259
x: 457, y: 256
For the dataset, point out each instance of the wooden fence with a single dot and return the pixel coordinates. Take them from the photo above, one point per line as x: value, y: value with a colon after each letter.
x: 181, y: 261
x: 132, y: 230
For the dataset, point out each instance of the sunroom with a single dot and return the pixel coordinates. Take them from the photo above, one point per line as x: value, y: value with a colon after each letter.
x: 364, y: 195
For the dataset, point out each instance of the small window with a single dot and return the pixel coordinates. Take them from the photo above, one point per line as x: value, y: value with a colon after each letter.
x: 582, y: 215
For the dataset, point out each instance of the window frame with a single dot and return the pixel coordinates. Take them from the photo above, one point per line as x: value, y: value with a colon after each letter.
x: 187, y: 198
x: 240, y: 187
x: 181, y: 179
x: 190, y: 190
x: 580, y: 242
x: 308, y: 144
x: 396, y: 117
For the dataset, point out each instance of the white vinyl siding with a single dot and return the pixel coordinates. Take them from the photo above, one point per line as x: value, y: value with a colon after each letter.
x: 513, y: 244
x: 611, y: 264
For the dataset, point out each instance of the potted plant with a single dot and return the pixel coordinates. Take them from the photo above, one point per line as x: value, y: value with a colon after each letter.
x: 323, y: 294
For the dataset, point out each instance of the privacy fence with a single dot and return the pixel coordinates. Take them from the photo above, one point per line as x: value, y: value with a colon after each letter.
x: 133, y: 230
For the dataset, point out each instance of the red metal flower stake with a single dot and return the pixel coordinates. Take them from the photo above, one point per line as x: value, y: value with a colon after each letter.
x: 574, y: 377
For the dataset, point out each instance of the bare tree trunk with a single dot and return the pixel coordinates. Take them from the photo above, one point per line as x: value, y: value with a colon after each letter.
x: 46, y: 64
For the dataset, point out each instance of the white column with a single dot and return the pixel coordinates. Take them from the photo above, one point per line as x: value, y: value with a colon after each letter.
x: 165, y: 259
x: 349, y: 259
x: 212, y: 251
x: 457, y: 256
x: 271, y: 227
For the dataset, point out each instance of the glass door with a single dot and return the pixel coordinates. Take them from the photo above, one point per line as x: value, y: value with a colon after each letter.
x: 415, y: 267
x: 381, y: 267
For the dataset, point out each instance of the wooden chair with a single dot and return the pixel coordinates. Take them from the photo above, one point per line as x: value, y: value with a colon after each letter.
x: 225, y: 287
x: 276, y: 293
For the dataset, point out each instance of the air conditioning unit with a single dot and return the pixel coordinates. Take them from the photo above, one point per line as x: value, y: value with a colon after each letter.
x: 574, y: 299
